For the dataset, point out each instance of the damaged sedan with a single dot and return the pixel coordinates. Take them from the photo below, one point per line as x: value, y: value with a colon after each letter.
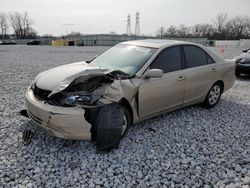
x: 128, y: 83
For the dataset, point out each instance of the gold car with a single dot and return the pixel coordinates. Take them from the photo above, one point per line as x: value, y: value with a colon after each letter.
x: 128, y: 83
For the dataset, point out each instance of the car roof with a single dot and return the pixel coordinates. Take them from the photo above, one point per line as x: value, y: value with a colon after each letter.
x: 156, y: 43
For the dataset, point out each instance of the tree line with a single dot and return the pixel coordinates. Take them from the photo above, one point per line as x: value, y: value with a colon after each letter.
x: 21, y: 24
x: 222, y: 28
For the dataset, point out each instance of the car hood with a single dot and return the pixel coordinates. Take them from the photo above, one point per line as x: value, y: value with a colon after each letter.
x: 59, y: 78
x: 245, y: 56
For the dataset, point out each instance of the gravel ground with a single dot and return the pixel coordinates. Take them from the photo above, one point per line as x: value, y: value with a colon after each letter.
x: 192, y: 147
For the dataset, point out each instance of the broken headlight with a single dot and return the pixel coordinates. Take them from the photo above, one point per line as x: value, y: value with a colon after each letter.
x: 77, y: 100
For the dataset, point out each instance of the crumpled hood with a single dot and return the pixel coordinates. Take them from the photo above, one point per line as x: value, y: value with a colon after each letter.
x: 58, y: 78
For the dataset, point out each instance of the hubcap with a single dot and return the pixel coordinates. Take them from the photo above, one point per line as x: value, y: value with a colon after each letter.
x: 125, y: 123
x: 214, y: 95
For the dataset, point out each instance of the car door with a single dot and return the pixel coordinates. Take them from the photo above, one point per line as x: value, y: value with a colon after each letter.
x: 160, y: 94
x: 200, y: 73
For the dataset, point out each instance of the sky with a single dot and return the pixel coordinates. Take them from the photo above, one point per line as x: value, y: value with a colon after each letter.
x: 60, y: 17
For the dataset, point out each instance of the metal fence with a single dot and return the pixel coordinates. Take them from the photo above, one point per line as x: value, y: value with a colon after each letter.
x: 110, y: 40
x: 107, y: 40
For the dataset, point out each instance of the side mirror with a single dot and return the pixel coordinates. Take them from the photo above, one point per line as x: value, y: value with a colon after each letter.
x: 244, y: 50
x: 154, y: 73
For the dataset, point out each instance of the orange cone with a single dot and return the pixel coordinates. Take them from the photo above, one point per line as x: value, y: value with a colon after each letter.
x: 222, y: 51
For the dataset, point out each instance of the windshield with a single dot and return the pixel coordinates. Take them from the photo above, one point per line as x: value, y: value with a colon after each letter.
x: 126, y: 58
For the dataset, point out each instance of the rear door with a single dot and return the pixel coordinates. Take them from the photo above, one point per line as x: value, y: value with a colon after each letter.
x: 200, y: 73
x: 160, y: 94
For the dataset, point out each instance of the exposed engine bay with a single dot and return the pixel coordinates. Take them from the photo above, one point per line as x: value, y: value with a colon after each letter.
x: 82, y: 91
x: 87, y: 92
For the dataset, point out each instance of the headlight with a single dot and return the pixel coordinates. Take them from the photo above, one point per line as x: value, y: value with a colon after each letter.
x: 77, y: 100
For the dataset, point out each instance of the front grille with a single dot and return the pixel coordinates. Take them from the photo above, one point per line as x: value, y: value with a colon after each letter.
x: 41, y: 94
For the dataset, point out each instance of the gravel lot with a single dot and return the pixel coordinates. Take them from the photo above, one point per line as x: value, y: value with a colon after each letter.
x: 192, y: 147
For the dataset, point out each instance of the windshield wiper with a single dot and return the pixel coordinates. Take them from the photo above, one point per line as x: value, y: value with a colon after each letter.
x: 120, y: 74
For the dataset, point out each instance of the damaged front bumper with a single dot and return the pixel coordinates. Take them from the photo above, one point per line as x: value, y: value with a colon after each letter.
x: 67, y: 123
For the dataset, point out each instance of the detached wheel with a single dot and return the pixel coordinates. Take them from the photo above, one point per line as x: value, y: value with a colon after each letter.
x: 109, y: 126
x: 213, y: 96
x: 126, y: 121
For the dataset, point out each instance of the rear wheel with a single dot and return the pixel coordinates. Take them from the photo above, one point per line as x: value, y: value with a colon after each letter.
x: 213, y: 96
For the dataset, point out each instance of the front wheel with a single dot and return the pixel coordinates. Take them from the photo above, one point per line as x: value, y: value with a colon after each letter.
x: 126, y: 121
x: 213, y: 96
x: 109, y: 126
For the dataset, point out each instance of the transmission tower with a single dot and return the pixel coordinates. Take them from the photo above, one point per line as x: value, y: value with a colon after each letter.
x: 128, y: 25
x: 137, y: 24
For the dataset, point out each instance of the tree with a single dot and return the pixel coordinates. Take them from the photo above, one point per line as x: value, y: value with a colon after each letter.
x: 224, y: 28
x: 21, y: 24
x: 182, y: 31
x: 203, y: 30
x: 161, y: 32
x: 31, y: 33
x: 171, y: 31
x: 3, y: 24
x: 220, y: 22
x: 237, y: 27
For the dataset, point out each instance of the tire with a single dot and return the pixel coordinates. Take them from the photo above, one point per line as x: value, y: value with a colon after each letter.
x: 109, y: 127
x: 213, y: 96
x: 91, y: 117
x: 128, y: 121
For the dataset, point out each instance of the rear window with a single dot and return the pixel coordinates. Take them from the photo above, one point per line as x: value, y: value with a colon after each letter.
x: 194, y: 56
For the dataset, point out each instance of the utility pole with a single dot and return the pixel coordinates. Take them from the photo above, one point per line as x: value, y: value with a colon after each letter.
x: 129, y: 25
x: 137, y: 24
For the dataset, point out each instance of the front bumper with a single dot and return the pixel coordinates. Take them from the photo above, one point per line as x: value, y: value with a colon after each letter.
x: 67, y: 123
x: 242, y: 68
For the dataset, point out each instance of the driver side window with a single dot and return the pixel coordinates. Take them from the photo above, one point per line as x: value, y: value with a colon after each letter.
x: 168, y: 60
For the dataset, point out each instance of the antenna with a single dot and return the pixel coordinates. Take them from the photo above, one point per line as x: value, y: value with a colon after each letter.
x: 128, y: 25
x: 137, y: 24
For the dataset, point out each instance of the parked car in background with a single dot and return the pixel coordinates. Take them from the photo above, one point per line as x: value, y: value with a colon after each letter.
x: 8, y: 42
x: 34, y: 42
x: 128, y: 83
x: 243, y: 63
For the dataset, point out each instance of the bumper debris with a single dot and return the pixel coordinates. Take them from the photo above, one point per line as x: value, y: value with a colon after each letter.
x: 28, y: 135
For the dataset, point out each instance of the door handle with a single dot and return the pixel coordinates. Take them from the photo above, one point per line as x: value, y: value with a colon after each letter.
x: 180, y: 78
x: 213, y: 69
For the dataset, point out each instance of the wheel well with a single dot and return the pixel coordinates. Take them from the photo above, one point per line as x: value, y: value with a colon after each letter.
x: 221, y: 83
x: 126, y: 104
